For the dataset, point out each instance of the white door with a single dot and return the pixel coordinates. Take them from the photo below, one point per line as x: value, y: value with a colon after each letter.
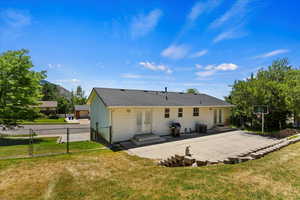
x: 215, y: 116
x: 139, y: 121
x: 144, y: 121
x: 147, y: 128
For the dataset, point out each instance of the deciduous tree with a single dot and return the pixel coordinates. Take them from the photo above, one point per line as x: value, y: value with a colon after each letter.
x: 20, y: 87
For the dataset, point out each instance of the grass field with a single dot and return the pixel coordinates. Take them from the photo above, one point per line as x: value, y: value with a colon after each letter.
x: 18, y: 147
x: 115, y: 175
x: 44, y: 121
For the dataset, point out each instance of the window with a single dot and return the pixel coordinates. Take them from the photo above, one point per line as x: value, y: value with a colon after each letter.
x: 220, y: 116
x: 196, y: 112
x: 167, y: 112
x: 215, y: 116
x: 180, y: 112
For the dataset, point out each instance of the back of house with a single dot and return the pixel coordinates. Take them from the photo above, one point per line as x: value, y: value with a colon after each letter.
x: 120, y: 114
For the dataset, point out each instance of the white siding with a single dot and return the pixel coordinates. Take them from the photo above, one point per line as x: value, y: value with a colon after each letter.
x: 123, y: 124
x: 99, y: 114
x: 124, y: 120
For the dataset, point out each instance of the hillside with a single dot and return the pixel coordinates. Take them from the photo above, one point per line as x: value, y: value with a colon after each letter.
x: 61, y: 90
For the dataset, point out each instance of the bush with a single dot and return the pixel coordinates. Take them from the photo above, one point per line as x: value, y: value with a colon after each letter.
x: 53, y: 117
x: 286, y: 133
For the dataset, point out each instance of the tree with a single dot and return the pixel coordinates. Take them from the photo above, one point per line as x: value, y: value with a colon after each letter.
x: 79, y: 97
x: 277, y: 87
x: 192, y: 91
x: 50, y: 92
x: 20, y: 87
x: 63, y: 105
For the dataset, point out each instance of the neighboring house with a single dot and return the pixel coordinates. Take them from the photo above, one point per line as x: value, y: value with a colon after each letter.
x: 82, y: 111
x: 48, y: 107
x: 122, y: 113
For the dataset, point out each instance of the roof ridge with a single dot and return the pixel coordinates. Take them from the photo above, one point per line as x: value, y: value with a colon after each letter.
x: 142, y: 90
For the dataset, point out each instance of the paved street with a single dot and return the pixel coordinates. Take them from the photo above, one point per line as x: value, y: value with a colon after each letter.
x: 50, y: 129
x: 213, y: 147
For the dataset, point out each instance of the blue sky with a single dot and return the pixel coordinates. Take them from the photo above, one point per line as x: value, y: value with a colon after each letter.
x: 204, y: 44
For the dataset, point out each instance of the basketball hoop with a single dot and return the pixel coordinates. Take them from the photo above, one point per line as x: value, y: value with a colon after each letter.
x: 260, y: 111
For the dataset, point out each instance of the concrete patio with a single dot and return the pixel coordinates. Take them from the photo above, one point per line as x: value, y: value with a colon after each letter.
x: 211, y: 147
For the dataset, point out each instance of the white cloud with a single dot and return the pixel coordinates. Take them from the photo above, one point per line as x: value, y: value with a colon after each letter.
x: 54, y: 66
x: 72, y: 81
x: 12, y: 24
x: 212, y: 69
x: 154, y: 67
x: 273, y: 53
x: 237, y: 11
x: 16, y: 18
x: 131, y: 76
x: 143, y: 24
x: 226, y: 67
x: 175, y: 51
x: 205, y: 73
x: 201, y: 7
x: 199, y: 53
x: 198, y: 66
x: 229, y: 34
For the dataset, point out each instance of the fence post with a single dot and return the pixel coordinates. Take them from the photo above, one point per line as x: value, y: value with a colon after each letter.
x: 68, y: 133
x: 110, y: 134
x: 91, y: 133
x: 97, y: 132
x: 30, y: 147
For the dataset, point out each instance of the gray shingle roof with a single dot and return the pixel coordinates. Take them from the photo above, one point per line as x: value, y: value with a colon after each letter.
x: 127, y: 97
x: 82, y: 107
x: 47, y: 104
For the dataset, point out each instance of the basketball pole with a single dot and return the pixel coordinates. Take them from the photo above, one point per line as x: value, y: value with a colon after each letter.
x: 262, y: 122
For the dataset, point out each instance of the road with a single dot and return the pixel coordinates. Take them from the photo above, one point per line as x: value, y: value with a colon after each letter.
x: 50, y: 129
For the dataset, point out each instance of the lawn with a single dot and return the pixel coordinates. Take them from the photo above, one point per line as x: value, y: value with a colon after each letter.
x: 109, y: 175
x: 18, y: 147
x: 45, y: 121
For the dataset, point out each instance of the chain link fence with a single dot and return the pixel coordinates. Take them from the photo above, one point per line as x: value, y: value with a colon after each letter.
x: 40, y: 142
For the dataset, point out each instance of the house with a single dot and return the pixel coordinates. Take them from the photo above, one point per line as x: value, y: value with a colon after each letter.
x: 81, y: 111
x: 48, y: 107
x: 120, y: 114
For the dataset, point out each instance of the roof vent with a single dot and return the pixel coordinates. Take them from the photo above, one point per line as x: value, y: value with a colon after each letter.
x: 166, y: 91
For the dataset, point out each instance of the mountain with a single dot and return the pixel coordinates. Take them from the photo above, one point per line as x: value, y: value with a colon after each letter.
x: 61, y: 90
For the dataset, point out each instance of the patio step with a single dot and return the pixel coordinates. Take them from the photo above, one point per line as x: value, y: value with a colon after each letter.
x: 148, y: 138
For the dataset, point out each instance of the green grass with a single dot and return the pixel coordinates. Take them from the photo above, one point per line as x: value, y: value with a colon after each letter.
x: 107, y: 175
x: 18, y: 147
x: 293, y: 137
x: 17, y: 135
x: 45, y: 121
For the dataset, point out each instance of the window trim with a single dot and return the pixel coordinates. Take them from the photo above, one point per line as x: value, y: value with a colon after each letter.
x: 196, y: 112
x: 220, y: 116
x: 167, y: 113
x: 180, y: 112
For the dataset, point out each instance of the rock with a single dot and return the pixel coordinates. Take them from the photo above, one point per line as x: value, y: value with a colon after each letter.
x: 195, y: 164
x: 201, y: 162
x: 178, y: 157
x: 244, y: 159
x: 188, y: 160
